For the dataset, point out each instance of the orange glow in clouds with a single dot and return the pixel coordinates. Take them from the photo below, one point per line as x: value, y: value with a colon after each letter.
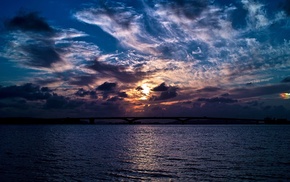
x: 285, y: 95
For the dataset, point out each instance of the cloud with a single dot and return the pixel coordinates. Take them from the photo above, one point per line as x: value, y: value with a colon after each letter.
x: 197, y: 33
x: 225, y: 95
x: 123, y: 94
x: 286, y: 7
x: 190, y: 9
x: 47, y: 80
x: 42, y: 55
x: 33, y: 100
x: 27, y: 91
x: 217, y: 100
x: 167, y: 95
x: 139, y: 88
x: 119, y: 14
x: 114, y: 99
x: 205, y: 48
x: 256, y: 17
x: 62, y: 102
x: 286, y: 80
x: 259, y: 91
x: 82, y: 93
x: 107, y: 86
x: 82, y: 80
x: 30, y: 42
x: 164, y: 95
x: 56, y: 102
x: 161, y: 87
x: 117, y: 72
x: 121, y: 22
x: 28, y: 22
x: 33, y: 47
x: 209, y: 89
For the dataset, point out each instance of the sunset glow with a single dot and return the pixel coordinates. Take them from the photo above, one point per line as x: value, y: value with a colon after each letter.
x: 285, y: 95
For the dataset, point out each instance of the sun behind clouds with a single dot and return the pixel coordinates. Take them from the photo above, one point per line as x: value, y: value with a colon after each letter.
x: 145, y: 91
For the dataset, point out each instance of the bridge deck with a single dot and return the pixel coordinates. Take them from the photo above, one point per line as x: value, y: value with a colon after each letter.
x: 180, y: 119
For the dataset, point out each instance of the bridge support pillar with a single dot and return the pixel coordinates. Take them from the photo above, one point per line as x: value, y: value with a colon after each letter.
x: 92, y: 120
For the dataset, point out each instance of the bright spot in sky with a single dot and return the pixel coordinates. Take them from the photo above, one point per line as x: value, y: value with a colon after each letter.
x: 285, y: 95
x: 145, y: 91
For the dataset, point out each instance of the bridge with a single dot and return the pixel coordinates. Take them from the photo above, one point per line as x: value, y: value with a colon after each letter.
x: 182, y: 120
x: 135, y: 120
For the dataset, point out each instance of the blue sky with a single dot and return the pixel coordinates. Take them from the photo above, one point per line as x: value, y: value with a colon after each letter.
x: 145, y: 58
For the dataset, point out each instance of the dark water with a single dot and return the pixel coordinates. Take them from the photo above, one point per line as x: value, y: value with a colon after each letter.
x: 144, y: 153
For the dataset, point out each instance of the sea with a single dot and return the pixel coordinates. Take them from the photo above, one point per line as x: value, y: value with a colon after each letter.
x: 144, y: 153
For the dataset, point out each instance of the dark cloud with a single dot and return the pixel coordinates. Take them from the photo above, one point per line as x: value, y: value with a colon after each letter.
x: 45, y: 89
x: 247, y: 67
x: 116, y: 11
x: 38, y: 50
x: 123, y: 94
x: 211, y: 21
x: 107, y: 89
x: 286, y: 80
x: 93, y: 94
x: 209, y: 89
x: 104, y: 68
x: 217, y: 100
x: 42, y: 54
x: 62, y: 102
x: 83, y: 80
x: 114, y: 99
x: 161, y: 87
x: 82, y: 93
x: 27, y: 91
x: 28, y: 22
x: 139, y: 88
x: 14, y: 103
x: 286, y: 7
x: 169, y: 94
x: 117, y: 71
x: 107, y: 86
x: 254, y: 103
x: 187, y: 102
x: 56, y: 102
x: 191, y: 9
x: 225, y: 95
x: 256, y: 61
x: 260, y: 91
x: 45, y: 81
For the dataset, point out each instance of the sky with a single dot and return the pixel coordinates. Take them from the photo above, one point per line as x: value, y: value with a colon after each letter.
x: 214, y: 58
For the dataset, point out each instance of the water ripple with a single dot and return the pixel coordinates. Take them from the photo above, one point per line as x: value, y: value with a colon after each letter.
x: 144, y: 153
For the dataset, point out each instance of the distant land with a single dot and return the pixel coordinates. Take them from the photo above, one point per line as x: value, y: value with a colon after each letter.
x: 141, y: 120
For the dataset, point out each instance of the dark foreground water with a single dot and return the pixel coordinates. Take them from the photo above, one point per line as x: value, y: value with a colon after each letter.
x: 144, y: 153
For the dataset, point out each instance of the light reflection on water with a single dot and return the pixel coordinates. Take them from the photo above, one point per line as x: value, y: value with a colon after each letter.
x: 144, y: 152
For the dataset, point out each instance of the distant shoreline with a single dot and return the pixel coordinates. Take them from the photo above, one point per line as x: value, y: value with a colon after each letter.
x: 140, y: 120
